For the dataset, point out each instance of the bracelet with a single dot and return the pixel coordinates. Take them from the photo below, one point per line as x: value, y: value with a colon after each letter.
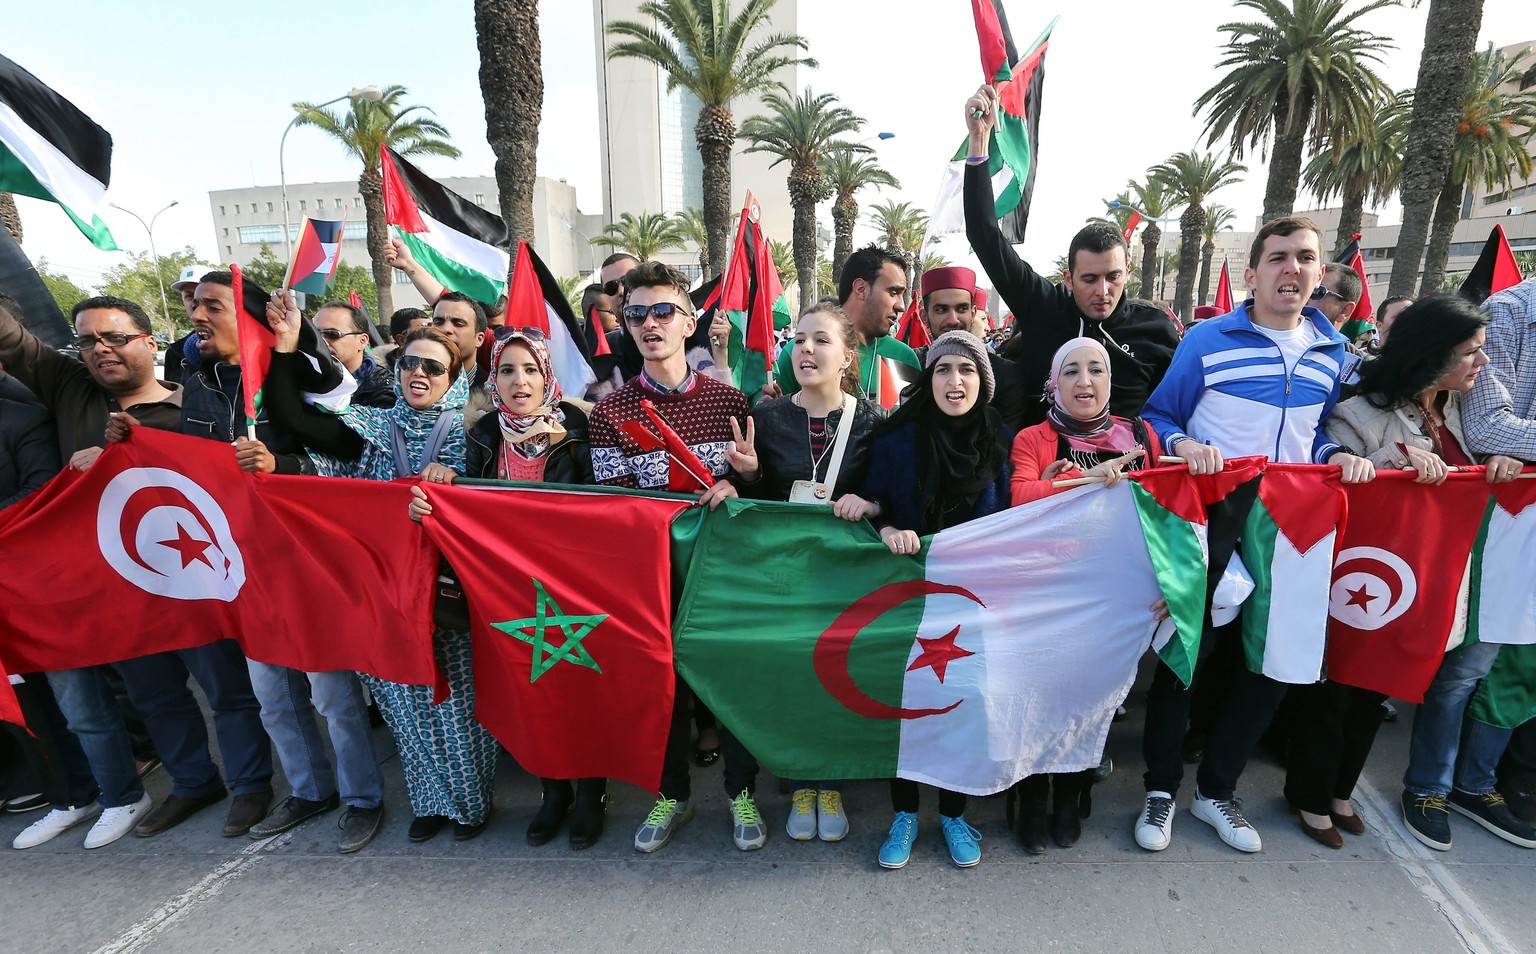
x: 974, y: 160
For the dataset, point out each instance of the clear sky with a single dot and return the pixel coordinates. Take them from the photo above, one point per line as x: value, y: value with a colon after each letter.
x: 196, y: 99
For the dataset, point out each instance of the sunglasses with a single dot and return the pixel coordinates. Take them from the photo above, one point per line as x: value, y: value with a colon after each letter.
x: 1323, y: 291
x: 112, y: 339
x: 336, y: 334
x: 433, y: 367
x: 530, y: 332
x: 614, y: 287
x: 662, y: 311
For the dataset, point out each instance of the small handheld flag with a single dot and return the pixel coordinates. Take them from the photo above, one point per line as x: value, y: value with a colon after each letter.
x: 316, y: 256
x: 1496, y: 269
x: 1224, y: 290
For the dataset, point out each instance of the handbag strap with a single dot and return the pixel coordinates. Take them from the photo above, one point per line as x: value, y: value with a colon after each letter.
x: 840, y: 445
x: 434, y: 443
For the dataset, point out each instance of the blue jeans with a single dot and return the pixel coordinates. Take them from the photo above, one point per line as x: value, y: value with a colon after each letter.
x: 1434, y: 752
x: 91, y: 712
x: 288, y: 705
x: 1477, y: 766
x: 157, y: 686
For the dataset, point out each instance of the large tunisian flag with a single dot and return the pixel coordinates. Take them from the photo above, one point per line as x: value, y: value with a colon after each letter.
x: 166, y: 544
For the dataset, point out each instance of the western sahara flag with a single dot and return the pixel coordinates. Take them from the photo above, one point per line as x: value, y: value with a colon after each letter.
x: 1020, y: 83
x: 535, y: 301
x: 749, y: 294
x: 460, y: 244
x: 52, y: 151
x: 316, y: 256
x: 995, y: 653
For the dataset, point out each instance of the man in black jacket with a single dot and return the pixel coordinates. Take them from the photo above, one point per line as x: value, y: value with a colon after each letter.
x: 1090, y: 301
x: 345, y: 330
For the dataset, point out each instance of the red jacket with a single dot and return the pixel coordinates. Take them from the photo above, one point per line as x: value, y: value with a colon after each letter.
x: 1035, y: 449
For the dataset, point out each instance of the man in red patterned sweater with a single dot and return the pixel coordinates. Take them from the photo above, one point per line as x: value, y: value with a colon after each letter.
x: 706, y: 415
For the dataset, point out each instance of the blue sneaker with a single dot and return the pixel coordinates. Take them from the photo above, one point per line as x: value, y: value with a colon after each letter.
x: 962, y: 841
x: 897, y: 850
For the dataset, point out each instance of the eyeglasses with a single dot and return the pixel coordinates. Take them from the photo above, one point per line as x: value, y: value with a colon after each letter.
x: 112, y: 339
x: 433, y: 367
x: 1323, y: 291
x: 336, y: 334
x: 662, y: 311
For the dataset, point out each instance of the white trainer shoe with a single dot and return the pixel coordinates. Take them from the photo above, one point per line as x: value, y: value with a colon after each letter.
x: 54, y: 824
x: 1154, y: 829
x: 1226, y: 816
x: 114, y: 823
x: 801, y: 825
x: 831, y: 819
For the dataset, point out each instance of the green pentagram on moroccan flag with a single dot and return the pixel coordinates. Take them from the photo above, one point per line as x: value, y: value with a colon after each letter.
x: 532, y: 630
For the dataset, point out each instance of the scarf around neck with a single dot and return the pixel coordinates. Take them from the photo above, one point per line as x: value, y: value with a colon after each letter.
x: 375, y: 426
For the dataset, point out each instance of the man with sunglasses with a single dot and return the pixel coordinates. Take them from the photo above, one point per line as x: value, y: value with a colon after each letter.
x: 345, y: 330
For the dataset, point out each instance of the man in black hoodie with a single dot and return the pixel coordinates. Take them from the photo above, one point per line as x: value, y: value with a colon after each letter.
x: 1090, y: 301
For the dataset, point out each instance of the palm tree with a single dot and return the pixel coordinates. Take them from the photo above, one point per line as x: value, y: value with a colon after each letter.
x: 573, y: 287
x: 902, y: 228
x: 644, y: 236
x: 1151, y: 199
x: 826, y: 279
x: 1304, y: 68
x: 690, y: 225
x: 1491, y: 147
x: 1450, y: 39
x: 1217, y: 218
x: 1189, y: 179
x: 512, y: 86
x: 783, y: 255
x: 717, y: 56
x: 850, y: 172
x: 1361, y: 165
x: 362, y: 129
x: 804, y: 132
x: 9, y: 217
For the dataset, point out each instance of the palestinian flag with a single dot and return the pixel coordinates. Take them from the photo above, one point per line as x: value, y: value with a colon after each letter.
x: 1020, y: 83
x: 982, y: 659
x: 1359, y: 319
x: 460, y: 244
x: 315, y: 256
x: 1501, y: 594
x: 536, y: 301
x: 1496, y: 269
x: 911, y: 330
x: 749, y: 292
x: 1224, y: 289
x: 885, y: 376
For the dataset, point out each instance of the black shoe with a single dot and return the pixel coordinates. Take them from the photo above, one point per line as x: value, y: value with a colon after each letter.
x: 425, y: 827
x: 1193, y: 749
x: 463, y: 832
x: 1492, y: 812
x: 1105, y: 770
x: 1428, y: 818
x: 551, y: 815
x: 358, y: 826
x: 704, y: 758
x: 1066, y: 826
x: 290, y: 813
x: 1389, y: 711
x: 26, y: 803
x: 1032, y: 830
x: 587, y: 815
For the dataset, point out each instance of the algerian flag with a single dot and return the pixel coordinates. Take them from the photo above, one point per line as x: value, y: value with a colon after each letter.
x: 460, y: 244
x: 1502, y: 592
x: 52, y: 151
x: 1000, y: 650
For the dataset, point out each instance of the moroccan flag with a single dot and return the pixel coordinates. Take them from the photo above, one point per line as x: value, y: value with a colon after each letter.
x: 1224, y: 289
x: 573, y: 673
x: 167, y: 527
x: 52, y: 151
x: 911, y: 330
x: 1397, y: 582
x: 1130, y: 227
x: 749, y: 291
x: 460, y: 244
x: 1501, y: 594
x: 1015, y: 142
x: 536, y: 301
x: 1496, y: 269
x: 315, y: 256
x: 986, y: 657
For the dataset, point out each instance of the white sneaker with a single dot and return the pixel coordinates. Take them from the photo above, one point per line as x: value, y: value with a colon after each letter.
x: 1154, y: 829
x: 1226, y: 816
x: 114, y: 823
x: 748, y: 829
x: 802, y: 815
x: 831, y: 820
x: 54, y: 824
x: 667, y: 815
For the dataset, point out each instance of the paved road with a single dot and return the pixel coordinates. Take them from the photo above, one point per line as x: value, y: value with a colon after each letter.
x: 191, y: 890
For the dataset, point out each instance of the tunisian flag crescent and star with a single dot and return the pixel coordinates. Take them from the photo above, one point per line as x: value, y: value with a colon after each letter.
x: 164, y: 543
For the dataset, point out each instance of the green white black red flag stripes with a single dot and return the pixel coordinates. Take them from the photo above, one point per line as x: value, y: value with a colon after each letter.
x: 50, y: 150
x: 1501, y: 598
x: 460, y: 244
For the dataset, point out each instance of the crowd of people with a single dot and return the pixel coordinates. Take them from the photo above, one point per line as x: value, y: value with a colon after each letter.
x: 1087, y: 383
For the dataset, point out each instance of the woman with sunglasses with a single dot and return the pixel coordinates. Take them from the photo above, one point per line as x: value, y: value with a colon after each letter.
x: 449, y: 759
x: 813, y: 447
x: 535, y: 435
x: 939, y: 461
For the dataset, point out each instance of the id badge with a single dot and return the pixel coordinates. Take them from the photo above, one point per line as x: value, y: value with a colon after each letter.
x: 810, y: 491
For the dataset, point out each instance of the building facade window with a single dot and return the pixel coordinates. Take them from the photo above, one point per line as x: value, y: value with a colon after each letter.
x: 271, y: 234
x: 253, y: 208
x: 479, y: 198
x: 269, y: 207
x: 303, y: 205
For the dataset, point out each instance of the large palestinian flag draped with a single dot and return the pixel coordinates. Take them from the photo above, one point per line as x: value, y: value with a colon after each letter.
x: 1000, y: 650
x: 1501, y: 605
x: 1020, y: 83
x: 460, y: 244
x: 573, y: 658
x: 749, y: 294
x: 536, y: 301
x: 52, y: 151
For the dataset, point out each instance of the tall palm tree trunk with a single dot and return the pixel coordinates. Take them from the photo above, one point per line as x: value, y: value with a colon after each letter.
x: 1447, y: 212
x: 1150, y: 236
x: 512, y: 85
x: 715, y: 132
x: 1285, y: 160
x: 371, y: 187
x: 804, y: 235
x: 10, y: 217
x: 845, y: 212
x: 1191, y: 225
x: 1207, y: 252
x: 1450, y: 37
x: 1350, y: 217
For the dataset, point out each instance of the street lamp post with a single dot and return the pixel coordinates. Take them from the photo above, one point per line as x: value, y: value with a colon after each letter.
x: 370, y: 93
x: 165, y: 308
x: 1160, y: 220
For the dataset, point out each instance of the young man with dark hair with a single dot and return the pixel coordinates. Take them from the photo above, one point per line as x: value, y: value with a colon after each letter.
x: 1089, y: 302
x: 1258, y: 381
x: 1337, y: 293
x: 707, y: 415
x: 345, y: 330
x: 1386, y: 314
x: 610, y: 274
x: 464, y: 320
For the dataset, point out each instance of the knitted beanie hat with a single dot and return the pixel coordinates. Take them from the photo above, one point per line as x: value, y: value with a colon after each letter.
x: 966, y: 345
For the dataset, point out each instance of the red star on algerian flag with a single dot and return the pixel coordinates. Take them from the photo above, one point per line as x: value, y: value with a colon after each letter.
x: 938, y: 653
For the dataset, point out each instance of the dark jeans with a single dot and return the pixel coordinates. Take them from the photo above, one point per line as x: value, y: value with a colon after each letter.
x: 739, y: 767
x: 1067, y: 788
x: 1518, y: 767
x: 138, y: 735
x: 904, y: 798
x: 1334, y: 728
x: 1236, y: 730
x: 50, y: 760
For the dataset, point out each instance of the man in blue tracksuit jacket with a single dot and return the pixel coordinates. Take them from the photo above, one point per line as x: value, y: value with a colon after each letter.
x: 1258, y: 381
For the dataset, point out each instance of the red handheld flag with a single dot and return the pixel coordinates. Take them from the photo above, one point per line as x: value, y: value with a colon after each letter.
x: 1130, y: 226
x: 256, y: 342
x: 912, y: 330
x: 1224, y: 290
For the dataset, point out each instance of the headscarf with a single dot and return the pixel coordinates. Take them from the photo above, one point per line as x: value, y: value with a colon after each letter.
x: 1101, y: 433
x: 374, y: 425
x: 529, y: 435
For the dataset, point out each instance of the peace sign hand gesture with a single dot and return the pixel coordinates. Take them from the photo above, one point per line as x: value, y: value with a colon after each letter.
x: 742, y: 454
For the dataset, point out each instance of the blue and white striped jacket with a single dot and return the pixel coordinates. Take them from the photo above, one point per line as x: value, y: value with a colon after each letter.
x: 1227, y: 387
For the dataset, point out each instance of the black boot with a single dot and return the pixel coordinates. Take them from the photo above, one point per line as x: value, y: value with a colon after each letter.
x: 557, y: 804
x: 587, y: 816
x: 1032, y: 830
x: 1066, y: 817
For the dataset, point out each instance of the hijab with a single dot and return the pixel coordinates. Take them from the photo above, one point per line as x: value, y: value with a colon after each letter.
x: 529, y: 435
x: 1100, y: 433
